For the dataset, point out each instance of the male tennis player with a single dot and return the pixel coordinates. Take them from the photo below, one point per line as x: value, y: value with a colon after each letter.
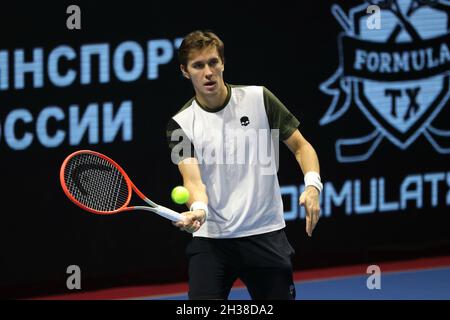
x: 236, y: 210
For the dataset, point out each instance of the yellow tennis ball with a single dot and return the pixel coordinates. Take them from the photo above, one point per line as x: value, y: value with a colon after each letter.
x: 180, y: 195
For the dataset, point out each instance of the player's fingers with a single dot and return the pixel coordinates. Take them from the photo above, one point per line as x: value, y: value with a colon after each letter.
x: 316, y: 215
x: 308, y: 225
x: 193, y: 228
x: 184, y: 224
x: 178, y: 224
x: 312, y: 218
x: 196, y: 226
x: 188, y: 221
x: 302, y: 199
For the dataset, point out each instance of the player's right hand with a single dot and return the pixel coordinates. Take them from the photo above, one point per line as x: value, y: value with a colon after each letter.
x: 192, y: 222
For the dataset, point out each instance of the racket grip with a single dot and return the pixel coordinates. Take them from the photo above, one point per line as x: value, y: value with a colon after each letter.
x: 169, y: 214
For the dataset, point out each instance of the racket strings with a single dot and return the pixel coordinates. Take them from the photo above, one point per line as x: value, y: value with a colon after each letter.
x: 96, y: 183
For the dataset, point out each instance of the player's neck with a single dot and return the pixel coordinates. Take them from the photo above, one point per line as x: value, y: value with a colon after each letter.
x: 214, y: 101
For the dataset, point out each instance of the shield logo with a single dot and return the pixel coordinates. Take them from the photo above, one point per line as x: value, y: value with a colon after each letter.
x: 397, y: 75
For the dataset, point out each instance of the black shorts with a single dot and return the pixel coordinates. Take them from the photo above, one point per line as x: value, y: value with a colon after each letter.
x: 262, y: 262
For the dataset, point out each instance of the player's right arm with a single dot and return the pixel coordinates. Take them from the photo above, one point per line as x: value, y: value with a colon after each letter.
x: 192, y: 181
x: 183, y: 155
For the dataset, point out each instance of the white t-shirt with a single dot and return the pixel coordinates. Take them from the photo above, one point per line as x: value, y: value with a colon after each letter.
x: 237, y: 149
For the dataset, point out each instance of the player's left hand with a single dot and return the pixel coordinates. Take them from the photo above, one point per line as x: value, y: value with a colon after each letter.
x: 310, y: 200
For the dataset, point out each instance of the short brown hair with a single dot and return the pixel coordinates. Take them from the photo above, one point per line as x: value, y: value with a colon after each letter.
x: 198, y: 40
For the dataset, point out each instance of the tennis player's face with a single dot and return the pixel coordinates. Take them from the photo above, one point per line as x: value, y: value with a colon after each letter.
x: 205, y: 69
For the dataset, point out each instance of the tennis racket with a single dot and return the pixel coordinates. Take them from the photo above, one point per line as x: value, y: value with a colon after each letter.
x: 99, y: 185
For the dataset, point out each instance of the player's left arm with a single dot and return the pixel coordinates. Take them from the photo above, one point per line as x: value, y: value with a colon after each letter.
x: 307, y: 158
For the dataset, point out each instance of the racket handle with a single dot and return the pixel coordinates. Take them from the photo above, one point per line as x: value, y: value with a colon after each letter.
x: 169, y: 214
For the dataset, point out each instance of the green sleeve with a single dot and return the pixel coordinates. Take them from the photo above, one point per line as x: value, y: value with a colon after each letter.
x: 180, y: 145
x: 279, y: 116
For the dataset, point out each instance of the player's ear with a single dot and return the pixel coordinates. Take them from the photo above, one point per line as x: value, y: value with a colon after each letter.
x: 184, y: 71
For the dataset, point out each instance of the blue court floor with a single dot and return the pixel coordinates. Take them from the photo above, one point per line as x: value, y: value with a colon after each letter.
x: 429, y: 284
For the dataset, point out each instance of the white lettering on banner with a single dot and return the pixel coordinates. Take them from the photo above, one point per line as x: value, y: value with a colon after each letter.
x: 155, y: 59
x: 102, y: 51
x: 338, y: 198
x: 65, y: 66
x: 415, y: 192
x: 42, y: 125
x: 112, y: 123
x: 384, y: 71
x: 119, y: 61
x: 58, y: 79
x: 35, y: 67
x: 79, y: 125
x: 17, y: 143
x: 4, y: 70
x: 434, y: 179
x: 383, y: 205
x: 448, y: 192
x: 116, y: 125
x: 405, y: 61
x: 90, y: 122
x: 368, y: 208
x: 88, y: 56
